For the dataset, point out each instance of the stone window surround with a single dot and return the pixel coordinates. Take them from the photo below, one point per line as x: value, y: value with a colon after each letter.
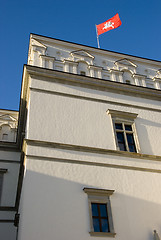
x: 2, y: 171
x: 100, y: 196
x: 126, y: 118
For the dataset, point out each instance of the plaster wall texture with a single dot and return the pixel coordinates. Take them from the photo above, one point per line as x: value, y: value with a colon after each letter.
x: 57, y: 189
x: 8, y: 231
x: 52, y: 85
x: 61, y: 114
x: 80, y: 157
x: 10, y: 155
x: 10, y: 181
x: 65, y: 119
x: 10, y: 161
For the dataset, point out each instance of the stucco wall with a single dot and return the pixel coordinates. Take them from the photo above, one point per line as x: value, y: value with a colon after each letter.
x: 9, y: 160
x: 70, y: 145
x: 69, y: 119
x: 55, y: 206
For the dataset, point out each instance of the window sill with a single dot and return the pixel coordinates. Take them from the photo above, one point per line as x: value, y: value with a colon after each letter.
x: 102, y: 234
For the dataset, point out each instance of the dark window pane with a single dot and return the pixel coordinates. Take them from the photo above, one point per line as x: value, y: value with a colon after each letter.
x: 118, y: 125
x: 103, y: 210
x: 122, y: 147
x: 132, y: 148
x: 104, y: 225
x: 128, y: 127
x: 94, y: 209
x: 82, y: 73
x: 130, y: 138
x: 120, y: 137
x: 96, y: 225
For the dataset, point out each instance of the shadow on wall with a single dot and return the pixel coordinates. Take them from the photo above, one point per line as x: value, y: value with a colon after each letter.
x: 146, y: 130
x: 55, y: 208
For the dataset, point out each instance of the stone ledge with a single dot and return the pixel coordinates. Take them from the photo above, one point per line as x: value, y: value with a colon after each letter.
x: 102, y: 234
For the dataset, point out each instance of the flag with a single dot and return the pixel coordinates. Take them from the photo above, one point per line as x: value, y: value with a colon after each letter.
x: 110, y: 24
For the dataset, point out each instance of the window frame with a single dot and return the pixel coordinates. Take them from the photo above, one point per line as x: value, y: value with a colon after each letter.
x: 2, y: 172
x: 125, y: 118
x: 100, y: 196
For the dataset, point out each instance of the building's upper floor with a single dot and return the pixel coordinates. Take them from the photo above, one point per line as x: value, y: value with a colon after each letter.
x: 78, y: 59
x: 8, y: 125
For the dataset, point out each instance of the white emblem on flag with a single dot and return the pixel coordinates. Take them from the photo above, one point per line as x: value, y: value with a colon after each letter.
x: 108, y: 24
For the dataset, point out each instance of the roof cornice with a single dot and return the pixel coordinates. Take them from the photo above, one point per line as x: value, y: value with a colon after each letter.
x: 91, y: 82
x: 97, y: 50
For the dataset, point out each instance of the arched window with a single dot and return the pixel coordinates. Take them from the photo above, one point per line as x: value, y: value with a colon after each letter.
x: 83, y: 68
x: 5, y: 132
x: 127, y: 77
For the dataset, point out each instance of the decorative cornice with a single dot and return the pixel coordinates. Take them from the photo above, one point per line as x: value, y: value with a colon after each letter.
x: 94, y: 49
x: 139, y: 75
x: 121, y: 114
x: 157, y: 79
x: 96, y: 192
x: 89, y: 163
x: 95, y: 67
x: 125, y: 62
x: 115, y: 71
x: 93, y: 99
x: 9, y: 146
x: 7, y: 209
x: 78, y: 53
x: 70, y: 62
x: 47, y: 57
x: 91, y: 150
x: 3, y: 170
x: 95, y: 83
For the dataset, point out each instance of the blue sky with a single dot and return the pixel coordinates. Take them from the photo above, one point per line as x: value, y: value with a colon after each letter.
x: 139, y: 34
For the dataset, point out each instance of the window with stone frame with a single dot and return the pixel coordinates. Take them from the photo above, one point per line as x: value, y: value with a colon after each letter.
x: 124, y: 131
x: 2, y: 171
x: 101, y: 223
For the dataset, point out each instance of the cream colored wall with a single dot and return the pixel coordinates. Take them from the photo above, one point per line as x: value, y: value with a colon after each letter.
x: 54, y: 204
x: 10, y: 178
x: 52, y: 194
x: 9, y: 160
x: 71, y: 120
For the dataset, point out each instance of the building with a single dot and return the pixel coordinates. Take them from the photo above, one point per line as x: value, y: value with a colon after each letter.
x: 89, y: 131
x: 10, y: 158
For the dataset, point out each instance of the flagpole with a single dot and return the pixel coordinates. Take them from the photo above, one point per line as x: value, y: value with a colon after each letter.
x: 97, y: 38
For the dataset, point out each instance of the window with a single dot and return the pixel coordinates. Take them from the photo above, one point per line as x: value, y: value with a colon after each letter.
x: 124, y: 131
x: 2, y: 171
x: 125, y: 138
x: 82, y: 73
x: 127, y: 81
x: 5, y: 136
x: 101, y: 223
x: 1, y: 180
x: 99, y: 217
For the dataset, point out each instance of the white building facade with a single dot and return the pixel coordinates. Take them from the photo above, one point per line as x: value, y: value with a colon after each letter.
x: 10, y: 159
x: 90, y: 124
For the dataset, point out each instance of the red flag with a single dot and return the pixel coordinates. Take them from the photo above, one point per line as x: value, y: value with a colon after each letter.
x: 110, y: 24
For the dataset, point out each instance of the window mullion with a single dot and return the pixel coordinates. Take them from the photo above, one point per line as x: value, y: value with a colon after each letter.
x: 99, y: 216
x: 125, y: 138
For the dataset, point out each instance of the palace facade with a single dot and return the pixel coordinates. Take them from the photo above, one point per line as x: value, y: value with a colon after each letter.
x: 86, y: 162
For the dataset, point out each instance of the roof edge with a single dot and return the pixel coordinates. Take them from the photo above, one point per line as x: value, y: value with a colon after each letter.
x: 125, y: 54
